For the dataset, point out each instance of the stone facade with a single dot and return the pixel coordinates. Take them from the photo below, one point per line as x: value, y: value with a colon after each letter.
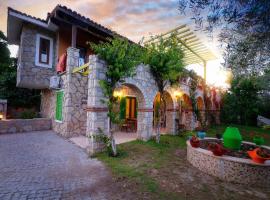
x: 28, y: 74
x: 24, y: 125
x: 142, y: 84
x: 238, y: 170
x: 74, y: 87
x: 83, y: 110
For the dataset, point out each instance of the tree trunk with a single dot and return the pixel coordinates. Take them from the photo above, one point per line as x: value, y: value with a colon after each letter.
x: 159, y: 117
x: 112, y: 140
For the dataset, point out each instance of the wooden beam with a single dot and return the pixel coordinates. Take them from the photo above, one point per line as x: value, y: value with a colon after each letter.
x: 164, y: 34
x: 204, y: 70
x: 74, y: 36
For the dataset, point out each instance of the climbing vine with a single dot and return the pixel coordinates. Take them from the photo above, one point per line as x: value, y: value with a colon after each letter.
x: 165, y: 58
x: 121, y: 57
x: 192, y: 90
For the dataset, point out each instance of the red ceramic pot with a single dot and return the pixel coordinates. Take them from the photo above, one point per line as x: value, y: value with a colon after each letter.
x: 195, y: 144
x: 217, y: 149
x: 257, y: 158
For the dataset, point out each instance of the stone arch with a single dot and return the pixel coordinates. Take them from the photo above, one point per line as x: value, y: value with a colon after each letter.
x: 186, y: 112
x: 169, y: 116
x: 144, y: 81
x: 187, y: 105
x: 200, y: 103
x: 129, y: 90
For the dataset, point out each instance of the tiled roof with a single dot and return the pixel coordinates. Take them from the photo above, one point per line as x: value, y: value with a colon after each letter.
x: 73, y: 14
x: 86, y: 20
x: 24, y: 14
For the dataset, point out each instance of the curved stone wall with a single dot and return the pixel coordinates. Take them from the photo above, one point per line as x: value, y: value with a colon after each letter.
x: 227, y: 168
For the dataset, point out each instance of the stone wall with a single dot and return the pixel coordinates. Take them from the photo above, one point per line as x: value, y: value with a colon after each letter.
x: 24, y: 125
x: 74, y: 87
x: 28, y: 74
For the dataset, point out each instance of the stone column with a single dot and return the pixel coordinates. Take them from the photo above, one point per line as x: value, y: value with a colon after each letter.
x: 96, y: 110
x: 170, y: 121
x: 145, y: 127
x: 68, y: 105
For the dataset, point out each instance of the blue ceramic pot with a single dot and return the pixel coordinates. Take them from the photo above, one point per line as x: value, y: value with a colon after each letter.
x: 201, y: 134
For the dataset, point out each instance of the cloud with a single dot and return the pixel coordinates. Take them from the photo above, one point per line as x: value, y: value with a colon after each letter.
x: 132, y: 18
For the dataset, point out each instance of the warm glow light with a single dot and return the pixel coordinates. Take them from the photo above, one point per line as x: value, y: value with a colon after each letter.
x: 1, y: 116
x: 215, y: 74
x: 117, y: 94
x: 178, y: 94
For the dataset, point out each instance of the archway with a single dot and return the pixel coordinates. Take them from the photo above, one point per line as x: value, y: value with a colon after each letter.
x: 187, y: 118
x: 167, y: 114
x: 200, y: 104
x: 131, y: 101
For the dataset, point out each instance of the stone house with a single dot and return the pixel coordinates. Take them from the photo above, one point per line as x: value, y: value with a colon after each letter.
x: 74, y: 106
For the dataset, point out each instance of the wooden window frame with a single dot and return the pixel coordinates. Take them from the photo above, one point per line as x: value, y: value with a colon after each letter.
x: 49, y: 62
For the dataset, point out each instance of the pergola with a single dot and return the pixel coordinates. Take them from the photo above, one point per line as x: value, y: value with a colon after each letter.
x: 195, y: 52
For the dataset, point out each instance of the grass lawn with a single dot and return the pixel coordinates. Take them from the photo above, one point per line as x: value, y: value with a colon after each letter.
x: 146, y: 170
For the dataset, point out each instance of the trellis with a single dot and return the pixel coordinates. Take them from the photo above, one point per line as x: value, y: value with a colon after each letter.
x: 195, y: 52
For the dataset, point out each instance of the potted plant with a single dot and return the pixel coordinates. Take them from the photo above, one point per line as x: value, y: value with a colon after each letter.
x: 258, y: 140
x: 216, y: 149
x: 194, y: 142
x: 259, y: 155
x: 202, y: 133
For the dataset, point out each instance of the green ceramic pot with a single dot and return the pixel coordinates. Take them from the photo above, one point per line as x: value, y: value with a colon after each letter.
x: 232, y: 138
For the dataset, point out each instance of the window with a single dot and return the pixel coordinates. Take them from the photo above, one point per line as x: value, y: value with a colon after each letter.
x: 44, y: 51
x: 59, y: 106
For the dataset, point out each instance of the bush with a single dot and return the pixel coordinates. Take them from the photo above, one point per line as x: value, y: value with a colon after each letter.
x: 28, y: 114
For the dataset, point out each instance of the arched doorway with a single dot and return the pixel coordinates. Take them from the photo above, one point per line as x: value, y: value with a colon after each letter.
x: 200, y: 104
x: 167, y: 113
x: 187, y: 118
x: 130, y: 101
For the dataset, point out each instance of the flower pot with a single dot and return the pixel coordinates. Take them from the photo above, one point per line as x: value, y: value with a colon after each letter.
x: 219, y: 136
x: 201, y: 134
x: 195, y: 144
x: 256, y: 157
x: 258, y: 140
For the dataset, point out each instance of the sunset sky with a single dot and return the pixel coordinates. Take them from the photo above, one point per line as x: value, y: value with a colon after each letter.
x: 132, y: 18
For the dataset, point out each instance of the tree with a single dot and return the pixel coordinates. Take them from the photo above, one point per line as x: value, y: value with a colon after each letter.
x: 165, y: 58
x: 17, y: 97
x: 245, y: 27
x: 122, y: 57
x: 241, y: 102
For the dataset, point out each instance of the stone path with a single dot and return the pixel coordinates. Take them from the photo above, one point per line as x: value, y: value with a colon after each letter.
x: 42, y: 165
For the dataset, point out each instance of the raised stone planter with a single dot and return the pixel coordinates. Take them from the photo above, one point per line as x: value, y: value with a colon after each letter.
x: 24, y: 125
x: 228, y: 168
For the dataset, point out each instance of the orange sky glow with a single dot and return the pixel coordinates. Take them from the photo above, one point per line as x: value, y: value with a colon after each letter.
x: 134, y: 19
